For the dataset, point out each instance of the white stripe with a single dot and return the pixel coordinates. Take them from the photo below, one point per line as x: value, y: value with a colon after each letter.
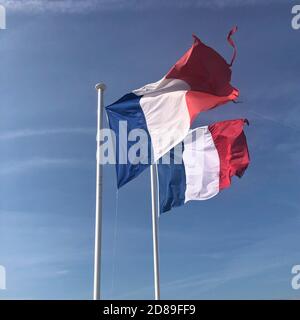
x: 202, y: 165
x: 166, y: 113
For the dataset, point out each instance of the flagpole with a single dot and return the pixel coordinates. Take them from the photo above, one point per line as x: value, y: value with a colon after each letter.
x: 100, y: 87
x: 154, y: 201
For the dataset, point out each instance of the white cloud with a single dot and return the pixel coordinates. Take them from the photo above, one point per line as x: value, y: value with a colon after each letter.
x: 65, y: 6
x: 83, y: 6
x: 62, y: 272
x: 25, y: 133
x: 40, y: 163
x: 265, y: 255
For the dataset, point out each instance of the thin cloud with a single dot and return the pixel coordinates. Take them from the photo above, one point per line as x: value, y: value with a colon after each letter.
x: 27, y: 133
x: 84, y: 6
x: 62, y: 272
x: 41, y: 163
x: 258, y: 258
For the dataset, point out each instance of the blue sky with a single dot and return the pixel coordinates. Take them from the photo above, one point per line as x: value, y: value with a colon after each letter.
x: 240, y: 244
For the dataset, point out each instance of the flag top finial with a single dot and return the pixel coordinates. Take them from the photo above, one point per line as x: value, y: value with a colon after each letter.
x: 100, y: 86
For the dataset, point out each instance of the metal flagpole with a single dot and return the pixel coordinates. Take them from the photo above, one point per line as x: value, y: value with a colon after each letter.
x: 154, y: 201
x: 100, y: 87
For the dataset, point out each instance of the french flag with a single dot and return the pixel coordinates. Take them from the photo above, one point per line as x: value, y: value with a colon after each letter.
x: 165, y: 110
x: 211, y: 156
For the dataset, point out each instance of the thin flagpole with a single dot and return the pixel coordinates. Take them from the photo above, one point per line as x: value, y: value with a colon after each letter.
x: 100, y: 87
x: 154, y: 201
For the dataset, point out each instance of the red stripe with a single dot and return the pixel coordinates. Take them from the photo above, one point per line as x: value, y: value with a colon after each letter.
x: 200, y: 101
x: 231, y: 42
x: 208, y: 75
x: 231, y: 144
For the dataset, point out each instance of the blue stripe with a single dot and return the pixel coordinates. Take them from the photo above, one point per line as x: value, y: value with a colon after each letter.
x: 128, y: 109
x: 172, y: 184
